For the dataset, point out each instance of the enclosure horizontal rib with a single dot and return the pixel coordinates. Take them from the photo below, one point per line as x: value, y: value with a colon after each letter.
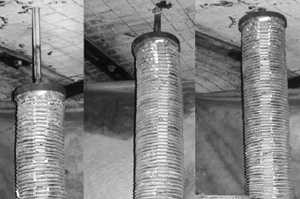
x: 223, y: 197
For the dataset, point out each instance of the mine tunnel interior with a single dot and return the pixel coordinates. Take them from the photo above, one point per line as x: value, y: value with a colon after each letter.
x: 100, y: 83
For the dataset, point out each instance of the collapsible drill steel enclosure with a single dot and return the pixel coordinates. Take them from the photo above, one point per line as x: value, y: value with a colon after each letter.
x: 40, y: 142
x: 159, y: 139
x: 266, y: 112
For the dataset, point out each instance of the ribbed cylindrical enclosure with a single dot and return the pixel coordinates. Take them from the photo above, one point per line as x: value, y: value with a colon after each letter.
x: 223, y: 197
x: 40, y: 142
x: 159, y: 138
x: 265, y: 104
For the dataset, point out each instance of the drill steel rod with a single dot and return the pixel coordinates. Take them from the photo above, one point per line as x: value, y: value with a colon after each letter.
x: 36, y: 44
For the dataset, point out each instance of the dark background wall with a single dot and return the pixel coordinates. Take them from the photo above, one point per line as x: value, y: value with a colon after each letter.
x: 219, y: 160
x: 73, y: 128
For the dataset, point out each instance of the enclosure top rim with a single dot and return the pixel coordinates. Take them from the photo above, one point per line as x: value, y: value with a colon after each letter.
x: 39, y: 87
x: 148, y: 35
x: 263, y: 13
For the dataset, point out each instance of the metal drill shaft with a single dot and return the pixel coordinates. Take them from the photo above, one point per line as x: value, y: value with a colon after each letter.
x: 36, y: 45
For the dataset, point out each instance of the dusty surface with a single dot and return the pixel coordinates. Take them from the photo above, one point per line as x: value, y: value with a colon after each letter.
x: 73, y: 155
x: 61, y: 33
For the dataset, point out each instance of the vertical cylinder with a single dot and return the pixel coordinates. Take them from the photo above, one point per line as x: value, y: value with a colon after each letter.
x: 265, y: 104
x: 40, y: 142
x: 159, y: 138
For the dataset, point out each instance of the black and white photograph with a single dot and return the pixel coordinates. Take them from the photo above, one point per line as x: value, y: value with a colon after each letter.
x: 149, y: 99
